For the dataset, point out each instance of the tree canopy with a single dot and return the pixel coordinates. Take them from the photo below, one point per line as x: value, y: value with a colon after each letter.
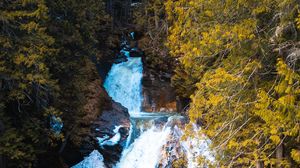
x: 46, y: 62
x: 240, y: 68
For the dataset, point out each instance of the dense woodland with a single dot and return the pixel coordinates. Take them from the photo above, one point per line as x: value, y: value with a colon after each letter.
x: 48, y: 50
x: 237, y: 61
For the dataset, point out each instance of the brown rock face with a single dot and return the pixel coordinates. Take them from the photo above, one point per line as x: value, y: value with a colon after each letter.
x: 101, y: 116
x: 97, y: 98
x: 158, y: 94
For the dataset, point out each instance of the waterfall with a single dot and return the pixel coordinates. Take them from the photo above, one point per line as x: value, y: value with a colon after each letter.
x: 124, y: 84
x: 155, y: 138
x: 145, y: 151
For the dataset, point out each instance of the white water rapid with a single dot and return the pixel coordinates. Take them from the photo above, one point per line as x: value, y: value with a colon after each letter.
x: 145, y: 151
x: 154, y: 139
x: 124, y: 84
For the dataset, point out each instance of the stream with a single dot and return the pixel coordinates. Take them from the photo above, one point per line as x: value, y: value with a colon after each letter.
x: 154, y: 138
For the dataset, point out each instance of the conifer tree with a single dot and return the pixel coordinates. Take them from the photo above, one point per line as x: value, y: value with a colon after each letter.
x: 26, y: 85
x: 80, y: 30
x: 47, y: 48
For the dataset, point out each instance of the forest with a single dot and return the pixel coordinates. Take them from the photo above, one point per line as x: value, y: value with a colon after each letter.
x: 233, y: 65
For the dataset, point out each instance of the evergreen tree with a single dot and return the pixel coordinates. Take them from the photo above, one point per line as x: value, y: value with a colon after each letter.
x: 46, y: 66
x: 26, y: 85
x: 80, y: 30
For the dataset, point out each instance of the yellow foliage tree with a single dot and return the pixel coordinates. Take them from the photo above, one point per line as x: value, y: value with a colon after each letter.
x: 228, y: 47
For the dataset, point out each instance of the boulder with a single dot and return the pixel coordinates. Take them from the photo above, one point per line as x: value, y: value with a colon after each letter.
x: 120, y: 60
x: 95, y: 159
x: 136, y: 52
x: 161, y: 121
x: 112, y: 127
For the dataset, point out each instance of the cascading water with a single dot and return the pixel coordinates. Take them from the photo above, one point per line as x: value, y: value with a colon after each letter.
x: 154, y: 139
x: 145, y: 151
x: 124, y: 84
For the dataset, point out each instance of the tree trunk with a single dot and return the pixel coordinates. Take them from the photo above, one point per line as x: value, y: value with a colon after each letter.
x: 259, y: 164
x: 156, y: 18
x: 279, y: 154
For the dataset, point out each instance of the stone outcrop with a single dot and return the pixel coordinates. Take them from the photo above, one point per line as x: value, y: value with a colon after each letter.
x: 111, y: 117
x: 158, y: 94
x: 96, y: 99
x: 112, y: 114
x: 173, y: 150
x: 102, y: 114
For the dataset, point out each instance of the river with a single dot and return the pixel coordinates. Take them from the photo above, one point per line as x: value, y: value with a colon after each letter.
x: 155, y: 138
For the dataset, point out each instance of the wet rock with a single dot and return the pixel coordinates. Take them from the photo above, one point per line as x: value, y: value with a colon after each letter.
x: 120, y: 60
x: 104, y: 126
x: 102, y: 114
x: 161, y: 121
x: 95, y: 159
x: 180, y: 150
x: 179, y: 121
x: 96, y: 98
x: 135, y: 52
x: 172, y: 150
x: 159, y: 96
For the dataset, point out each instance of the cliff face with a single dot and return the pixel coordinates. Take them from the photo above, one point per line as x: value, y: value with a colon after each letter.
x: 101, y: 116
x: 119, y: 10
x: 112, y: 123
x: 104, y: 115
x: 159, y: 96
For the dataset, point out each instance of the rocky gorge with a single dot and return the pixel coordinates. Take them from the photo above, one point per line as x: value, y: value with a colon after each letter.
x: 140, y: 125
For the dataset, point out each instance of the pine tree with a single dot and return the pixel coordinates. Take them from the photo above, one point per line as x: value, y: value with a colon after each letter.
x: 79, y: 29
x: 46, y: 63
x: 26, y: 85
